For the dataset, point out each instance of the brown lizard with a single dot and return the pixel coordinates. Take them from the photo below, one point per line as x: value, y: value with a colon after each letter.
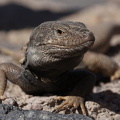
x: 93, y: 60
x: 54, y: 50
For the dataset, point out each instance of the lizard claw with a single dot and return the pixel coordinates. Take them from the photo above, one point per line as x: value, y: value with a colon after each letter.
x: 116, y: 75
x: 71, y: 102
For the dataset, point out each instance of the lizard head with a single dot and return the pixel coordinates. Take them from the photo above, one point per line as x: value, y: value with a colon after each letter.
x: 58, y: 40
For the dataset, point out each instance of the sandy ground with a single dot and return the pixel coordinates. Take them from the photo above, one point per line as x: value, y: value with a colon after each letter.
x: 104, y: 102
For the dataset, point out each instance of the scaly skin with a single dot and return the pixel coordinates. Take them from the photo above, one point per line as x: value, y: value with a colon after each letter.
x: 93, y: 60
x: 54, y: 50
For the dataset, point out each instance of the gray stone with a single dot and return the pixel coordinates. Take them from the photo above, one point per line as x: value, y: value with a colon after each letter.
x: 9, y: 112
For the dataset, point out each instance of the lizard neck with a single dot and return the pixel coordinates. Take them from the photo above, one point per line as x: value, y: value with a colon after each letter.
x: 53, y: 71
x: 49, y: 76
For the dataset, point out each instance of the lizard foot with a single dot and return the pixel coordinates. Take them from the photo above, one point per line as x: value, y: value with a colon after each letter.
x: 71, y: 102
x: 116, y: 75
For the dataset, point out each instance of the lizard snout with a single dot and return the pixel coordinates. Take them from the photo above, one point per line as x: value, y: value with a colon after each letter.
x: 87, y: 35
x: 87, y: 38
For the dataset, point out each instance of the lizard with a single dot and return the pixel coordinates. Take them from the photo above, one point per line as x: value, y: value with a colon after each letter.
x: 94, y: 59
x: 55, y: 48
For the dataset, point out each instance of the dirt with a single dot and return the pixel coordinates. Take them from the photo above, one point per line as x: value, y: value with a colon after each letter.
x: 104, y: 102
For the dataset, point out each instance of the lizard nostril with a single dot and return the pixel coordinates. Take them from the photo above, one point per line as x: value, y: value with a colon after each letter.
x: 86, y: 34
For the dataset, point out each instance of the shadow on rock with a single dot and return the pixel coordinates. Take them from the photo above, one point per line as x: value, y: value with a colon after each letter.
x: 107, y: 99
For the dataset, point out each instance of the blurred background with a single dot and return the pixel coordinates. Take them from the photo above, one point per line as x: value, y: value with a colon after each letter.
x: 17, y: 14
x: 19, y: 17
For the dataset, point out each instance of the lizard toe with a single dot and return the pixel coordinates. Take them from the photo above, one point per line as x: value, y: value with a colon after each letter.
x: 71, y: 103
x: 61, y: 107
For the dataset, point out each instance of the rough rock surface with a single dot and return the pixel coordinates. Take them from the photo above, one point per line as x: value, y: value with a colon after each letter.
x: 8, y: 112
x: 103, y: 104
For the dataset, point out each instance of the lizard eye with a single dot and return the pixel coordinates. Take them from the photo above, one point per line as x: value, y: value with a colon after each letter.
x: 59, y: 32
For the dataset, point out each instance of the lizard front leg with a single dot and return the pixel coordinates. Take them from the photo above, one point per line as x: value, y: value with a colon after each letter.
x: 3, y: 82
x: 14, y: 74
x: 11, y: 72
x: 84, y: 83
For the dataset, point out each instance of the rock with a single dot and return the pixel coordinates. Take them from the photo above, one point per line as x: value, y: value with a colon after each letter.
x: 9, y: 112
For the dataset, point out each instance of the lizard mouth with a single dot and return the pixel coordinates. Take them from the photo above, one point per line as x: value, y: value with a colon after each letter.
x: 86, y: 44
x: 59, y: 51
x: 80, y: 42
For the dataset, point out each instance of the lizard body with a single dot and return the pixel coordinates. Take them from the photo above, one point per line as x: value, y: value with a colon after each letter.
x: 54, y: 50
x: 93, y: 60
x: 98, y: 62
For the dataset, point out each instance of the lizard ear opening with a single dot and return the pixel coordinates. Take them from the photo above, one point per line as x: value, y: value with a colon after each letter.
x: 59, y: 32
